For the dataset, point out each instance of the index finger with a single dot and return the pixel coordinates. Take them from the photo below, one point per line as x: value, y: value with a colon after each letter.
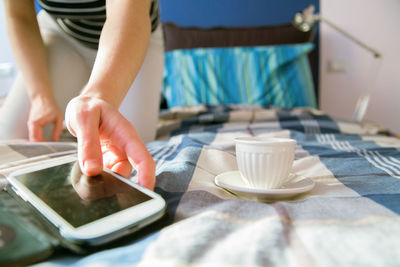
x: 89, y: 148
x: 58, y: 125
x: 35, y: 132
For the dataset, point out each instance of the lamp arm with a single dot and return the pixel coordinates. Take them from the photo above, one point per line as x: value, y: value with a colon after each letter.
x: 348, y: 35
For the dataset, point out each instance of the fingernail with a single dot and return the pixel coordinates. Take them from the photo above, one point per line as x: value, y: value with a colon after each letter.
x: 92, y: 167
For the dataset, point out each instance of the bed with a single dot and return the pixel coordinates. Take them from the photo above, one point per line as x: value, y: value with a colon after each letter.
x: 349, y: 218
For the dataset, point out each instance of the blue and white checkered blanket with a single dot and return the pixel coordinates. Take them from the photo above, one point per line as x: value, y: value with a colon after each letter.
x: 350, y: 218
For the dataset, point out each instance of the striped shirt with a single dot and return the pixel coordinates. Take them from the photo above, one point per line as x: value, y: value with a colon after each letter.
x: 84, y: 19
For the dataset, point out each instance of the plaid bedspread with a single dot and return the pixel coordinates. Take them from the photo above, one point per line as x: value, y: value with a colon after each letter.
x: 350, y: 218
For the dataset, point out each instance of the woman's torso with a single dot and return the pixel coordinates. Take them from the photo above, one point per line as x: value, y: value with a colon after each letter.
x: 84, y: 19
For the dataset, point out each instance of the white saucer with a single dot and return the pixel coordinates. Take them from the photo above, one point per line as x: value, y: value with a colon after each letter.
x: 232, y: 181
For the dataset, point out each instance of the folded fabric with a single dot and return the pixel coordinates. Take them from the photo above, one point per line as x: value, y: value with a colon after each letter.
x: 277, y: 75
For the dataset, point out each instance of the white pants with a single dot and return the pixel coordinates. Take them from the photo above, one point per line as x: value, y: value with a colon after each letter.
x: 70, y: 64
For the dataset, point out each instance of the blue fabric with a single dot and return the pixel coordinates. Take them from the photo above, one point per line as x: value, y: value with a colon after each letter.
x: 261, y: 75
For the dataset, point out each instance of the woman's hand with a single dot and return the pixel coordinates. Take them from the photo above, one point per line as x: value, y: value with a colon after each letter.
x: 44, y: 111
x: 106, y: 138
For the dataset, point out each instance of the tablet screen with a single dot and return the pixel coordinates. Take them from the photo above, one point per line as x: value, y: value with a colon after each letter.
x: 78, y: 198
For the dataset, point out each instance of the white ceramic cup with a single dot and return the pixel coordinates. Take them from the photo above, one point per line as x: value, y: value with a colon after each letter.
x: 265, y: 163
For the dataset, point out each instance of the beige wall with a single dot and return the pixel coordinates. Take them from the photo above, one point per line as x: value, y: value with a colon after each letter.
x: 377, y: 23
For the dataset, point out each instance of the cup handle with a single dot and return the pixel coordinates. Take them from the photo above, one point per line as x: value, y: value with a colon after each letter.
x: 290, y: 177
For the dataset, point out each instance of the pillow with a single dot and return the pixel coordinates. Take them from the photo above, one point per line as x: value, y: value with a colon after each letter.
x: 255, y: 75
x: 177, y: 37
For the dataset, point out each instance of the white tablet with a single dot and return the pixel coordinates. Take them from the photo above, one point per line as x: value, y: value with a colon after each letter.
x: 86, y: 210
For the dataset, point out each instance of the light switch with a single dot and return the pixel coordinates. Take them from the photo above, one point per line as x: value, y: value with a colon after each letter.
x: 337, y: 65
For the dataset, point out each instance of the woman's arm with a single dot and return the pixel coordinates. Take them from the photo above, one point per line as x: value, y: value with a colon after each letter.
x: 28, y: 46
x: 93, y: 117
x: 123, y: 44
x: 30, y: 55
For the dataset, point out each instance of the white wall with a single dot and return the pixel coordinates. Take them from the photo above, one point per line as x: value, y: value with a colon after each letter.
x: 7, y: 62
x: 377, y: 23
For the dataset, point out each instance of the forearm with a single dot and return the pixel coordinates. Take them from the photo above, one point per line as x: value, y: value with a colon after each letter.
x: 28, y: 47
x: 122, y: 47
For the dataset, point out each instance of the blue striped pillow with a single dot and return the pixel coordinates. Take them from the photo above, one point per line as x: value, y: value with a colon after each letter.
x: 259, y: 75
